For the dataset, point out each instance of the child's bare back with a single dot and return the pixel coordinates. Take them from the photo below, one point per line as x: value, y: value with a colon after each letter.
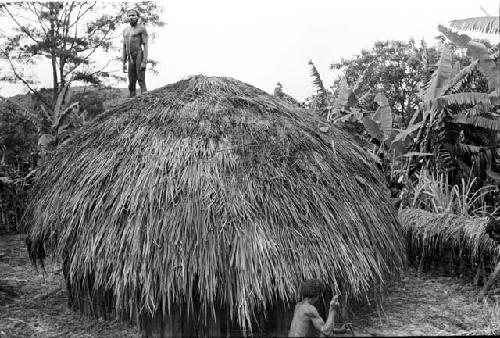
x: 306, y: 321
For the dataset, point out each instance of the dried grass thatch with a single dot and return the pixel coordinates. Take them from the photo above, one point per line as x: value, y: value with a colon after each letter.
x: 430, y: 236
x: 212, y: 187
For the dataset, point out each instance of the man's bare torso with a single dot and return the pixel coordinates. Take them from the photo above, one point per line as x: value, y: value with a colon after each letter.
x: 133, y: 39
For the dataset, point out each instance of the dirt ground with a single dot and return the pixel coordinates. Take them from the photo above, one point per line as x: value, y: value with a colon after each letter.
x: 34, y: 306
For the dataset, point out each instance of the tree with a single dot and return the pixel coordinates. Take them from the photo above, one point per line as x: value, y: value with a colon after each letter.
x: 69, y: 35
x: 397, y: 68
x: 17, y: 138
x: 320, y: 101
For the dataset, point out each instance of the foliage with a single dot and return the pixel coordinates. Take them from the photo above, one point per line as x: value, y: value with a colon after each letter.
x: 18, y: 136
x: 434, y: 193
x: 69, y: 34
x: 18, y: 157
x: 396, y: 68
x: 14, y: 185
x: 449, y: 109
x: 377, y: 95
x: 459, y: 123
x: 485, y: 24
x: 320, y: 101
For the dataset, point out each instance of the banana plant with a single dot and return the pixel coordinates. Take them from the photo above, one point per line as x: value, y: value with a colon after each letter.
x: 378, y: 124
x: 449, y: 107
x: 64, y: 117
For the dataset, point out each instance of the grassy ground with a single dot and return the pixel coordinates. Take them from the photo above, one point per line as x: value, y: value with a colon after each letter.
x: 33, y: 306
x: 40, y: 307
x: 432, y: 305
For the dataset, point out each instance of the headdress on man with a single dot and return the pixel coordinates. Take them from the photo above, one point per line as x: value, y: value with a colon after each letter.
x: 134, y: 10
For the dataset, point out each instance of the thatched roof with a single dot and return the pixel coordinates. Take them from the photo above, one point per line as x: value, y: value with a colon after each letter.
x: 213, y: 184
x: 431, y: 233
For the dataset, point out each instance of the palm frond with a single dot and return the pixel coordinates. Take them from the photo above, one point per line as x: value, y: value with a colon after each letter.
x: 482, y: 24
x: 458, y: 81
x: 477, y: 110
x: 346, y: 97
x: 384, y: 115
x: 318, y: 83
x: 478, y: 121
x: 460, y: 40
x: 465, y: 98
x: 461, y: 149
x: 373, y: 128
x: 486, y: 63
x: 456, y: 69
x: 440, y: 77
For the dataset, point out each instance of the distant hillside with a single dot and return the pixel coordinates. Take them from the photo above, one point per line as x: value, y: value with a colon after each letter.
x: 93, y: 99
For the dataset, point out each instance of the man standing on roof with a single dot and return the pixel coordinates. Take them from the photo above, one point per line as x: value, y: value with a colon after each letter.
x: 134, y: 37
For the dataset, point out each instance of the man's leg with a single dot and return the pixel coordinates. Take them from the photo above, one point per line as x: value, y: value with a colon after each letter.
x: 132, y: 77
x: 141, y: 74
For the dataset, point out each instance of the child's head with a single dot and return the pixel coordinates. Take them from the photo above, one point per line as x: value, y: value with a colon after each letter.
x: 311, y: 288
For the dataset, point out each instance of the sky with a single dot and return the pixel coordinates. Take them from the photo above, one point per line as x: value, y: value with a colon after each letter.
x: 262, y: 42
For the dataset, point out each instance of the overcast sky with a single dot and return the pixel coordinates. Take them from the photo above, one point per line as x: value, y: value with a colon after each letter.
x: 262, y: 42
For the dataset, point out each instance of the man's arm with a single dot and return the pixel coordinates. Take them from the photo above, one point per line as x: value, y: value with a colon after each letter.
x: 124, y: 54
x: 144, y: 39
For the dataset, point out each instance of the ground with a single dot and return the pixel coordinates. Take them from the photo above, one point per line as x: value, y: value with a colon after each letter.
x: 40, y: 307
x: 31, y: 305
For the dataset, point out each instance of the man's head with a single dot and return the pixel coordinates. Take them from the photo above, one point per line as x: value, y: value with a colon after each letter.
x: 311, y: 288
x: 133, y: 16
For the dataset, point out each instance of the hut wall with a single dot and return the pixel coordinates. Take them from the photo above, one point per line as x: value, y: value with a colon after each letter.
x: 274, y: 323
x: 84, y: 298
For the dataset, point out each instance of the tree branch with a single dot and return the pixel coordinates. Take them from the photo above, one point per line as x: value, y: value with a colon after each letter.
x: 81, y: 16
x: 20, y: 78
x: 37, y: 14
x: 94, y: 48
x: 21, y: 27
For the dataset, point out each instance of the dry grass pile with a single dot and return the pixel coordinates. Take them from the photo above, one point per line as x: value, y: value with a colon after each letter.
x: 439, y: 238
x: 211, y: 188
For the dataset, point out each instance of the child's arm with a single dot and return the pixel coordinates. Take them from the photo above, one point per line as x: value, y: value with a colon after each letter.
x: 327, y: 329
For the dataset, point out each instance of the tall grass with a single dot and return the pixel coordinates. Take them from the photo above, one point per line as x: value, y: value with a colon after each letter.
x: 433, y: 193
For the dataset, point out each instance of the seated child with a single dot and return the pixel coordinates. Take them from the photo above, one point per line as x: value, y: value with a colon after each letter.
x: 306, y: 318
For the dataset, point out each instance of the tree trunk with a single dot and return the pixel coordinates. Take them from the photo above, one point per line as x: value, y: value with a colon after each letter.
x: 55, y: 82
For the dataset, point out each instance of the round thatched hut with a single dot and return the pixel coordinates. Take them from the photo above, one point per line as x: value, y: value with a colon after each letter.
x: 200, y: 207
